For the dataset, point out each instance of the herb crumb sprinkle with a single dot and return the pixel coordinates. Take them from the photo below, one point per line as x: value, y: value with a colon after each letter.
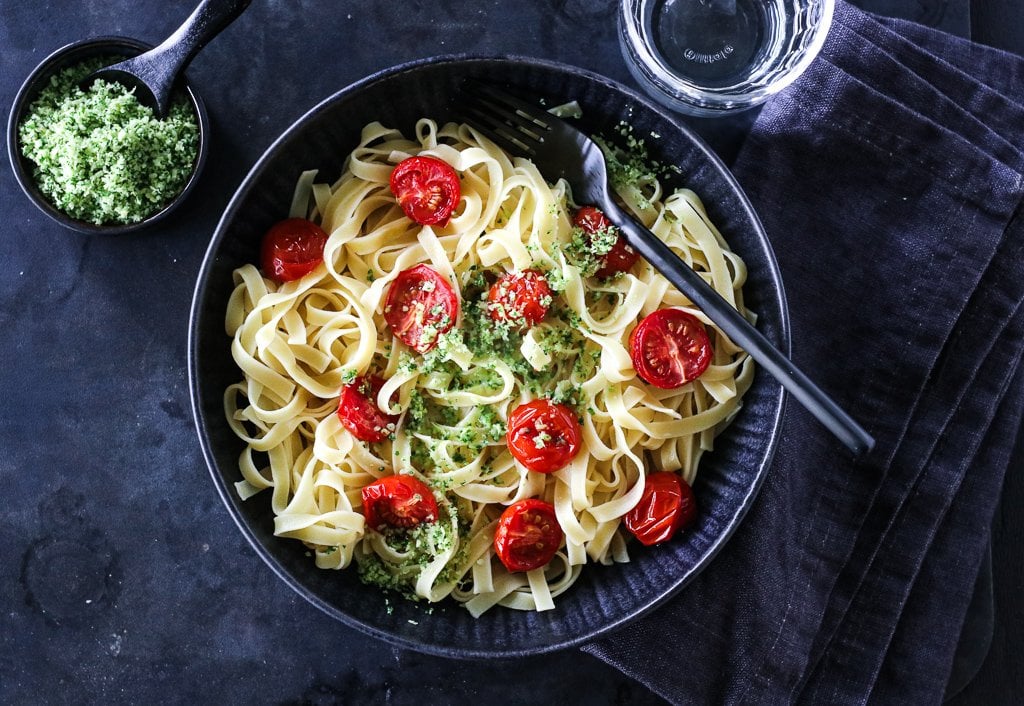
x: 101, y: 156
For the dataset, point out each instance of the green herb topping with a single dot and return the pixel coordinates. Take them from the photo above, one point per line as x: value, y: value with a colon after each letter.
x: 101, y: 156
x: 416, y: 546
x: 630, y: 168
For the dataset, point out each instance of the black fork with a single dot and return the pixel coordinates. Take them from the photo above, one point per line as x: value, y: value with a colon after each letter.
x: 561, y: 151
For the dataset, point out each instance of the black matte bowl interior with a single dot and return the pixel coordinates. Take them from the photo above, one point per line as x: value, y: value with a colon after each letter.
x: 69, y: 56
x: 605, y: 597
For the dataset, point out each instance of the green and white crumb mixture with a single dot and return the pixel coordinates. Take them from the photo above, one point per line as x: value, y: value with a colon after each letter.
x: 102, y: 157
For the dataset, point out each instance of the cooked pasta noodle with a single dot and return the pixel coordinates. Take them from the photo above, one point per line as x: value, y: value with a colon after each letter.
x: 299, y: 342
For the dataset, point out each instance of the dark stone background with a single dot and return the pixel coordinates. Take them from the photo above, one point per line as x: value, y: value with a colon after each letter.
x: 122, y: 578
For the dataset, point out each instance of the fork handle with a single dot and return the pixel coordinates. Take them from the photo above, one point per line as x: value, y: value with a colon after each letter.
x: 741, y: 331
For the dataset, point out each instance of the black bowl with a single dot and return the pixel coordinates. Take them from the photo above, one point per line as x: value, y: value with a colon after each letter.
x: 68, y: 56
x: 605, y: 597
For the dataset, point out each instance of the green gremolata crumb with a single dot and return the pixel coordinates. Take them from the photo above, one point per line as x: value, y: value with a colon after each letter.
x: 102, y: 157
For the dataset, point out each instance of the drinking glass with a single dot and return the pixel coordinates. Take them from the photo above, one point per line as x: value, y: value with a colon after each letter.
x: 715, y: 57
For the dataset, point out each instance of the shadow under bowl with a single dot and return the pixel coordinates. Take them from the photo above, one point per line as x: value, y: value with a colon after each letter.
x: 63, y: 58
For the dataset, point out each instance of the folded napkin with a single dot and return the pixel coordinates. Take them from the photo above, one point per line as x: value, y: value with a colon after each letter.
x: 889, y: 181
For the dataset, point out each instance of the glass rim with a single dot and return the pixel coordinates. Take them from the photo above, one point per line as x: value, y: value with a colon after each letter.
x: 687, y: 96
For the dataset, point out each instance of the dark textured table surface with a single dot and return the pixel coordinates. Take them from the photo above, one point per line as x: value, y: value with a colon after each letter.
x: 122, y: 578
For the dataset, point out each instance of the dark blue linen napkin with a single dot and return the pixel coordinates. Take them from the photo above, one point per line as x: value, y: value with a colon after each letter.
x: 889, y: 181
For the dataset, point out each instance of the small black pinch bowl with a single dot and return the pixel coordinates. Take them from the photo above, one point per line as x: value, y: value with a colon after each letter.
x: 70, y: 55
x: 605, y: 597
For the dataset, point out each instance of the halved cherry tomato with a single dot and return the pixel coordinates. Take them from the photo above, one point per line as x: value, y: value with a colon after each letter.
x: 292, y: 249
x: 520, y: 298
x: 421, y: 306
x: 359, y: 413
x: 543, y: 436
x: 669, y: 348
x: 666, y: 506
x: 398, y: 501
x: 427, y: 189
x: 528, y: 535
x: 621, y: 257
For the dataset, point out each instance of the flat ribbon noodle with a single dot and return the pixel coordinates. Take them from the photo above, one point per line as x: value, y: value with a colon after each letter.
x: 296, y: 344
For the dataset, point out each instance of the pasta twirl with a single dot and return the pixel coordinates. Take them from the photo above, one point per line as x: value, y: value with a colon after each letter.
x: 298, y: 343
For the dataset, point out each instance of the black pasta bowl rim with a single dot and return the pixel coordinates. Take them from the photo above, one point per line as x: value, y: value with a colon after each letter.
x: 227, y: 492
x: 21, y: 167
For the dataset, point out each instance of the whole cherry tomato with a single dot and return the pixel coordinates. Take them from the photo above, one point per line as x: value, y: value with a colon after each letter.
x: 520, y: 298
x: 621, y: 257
x: 543, y: 436
x: 528, y: 535
x: 398, y: 501
x: 420, y: 306
x: 669, y: 348
x: 427, y: 189
x: 359, y: 413
x: 666, y: 506
x: 292, y: 249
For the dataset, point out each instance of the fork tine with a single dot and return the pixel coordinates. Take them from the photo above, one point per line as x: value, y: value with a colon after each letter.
x: 501, y: 134
x: 505, y: 119
x: 501, y: 120
x: 526, y: 125
x: 521, y: 107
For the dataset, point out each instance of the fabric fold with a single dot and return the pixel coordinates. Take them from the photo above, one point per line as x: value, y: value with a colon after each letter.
x: 933, y: 89
x: 970, y: 385
x: 943, y: 588
x: 888, y: 180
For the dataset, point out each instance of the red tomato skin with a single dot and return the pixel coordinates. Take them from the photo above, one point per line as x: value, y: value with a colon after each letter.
x: 666, y: 506
x: 680, y: 338
x: 398, y: 501
x: 621, y: 257
x: 291, y: 249
x: 409, y: 308
x: 536, y: 417
x: 528, y: 535
x: 519, y: 297
x: 427, y: 189
x: 359, y: 413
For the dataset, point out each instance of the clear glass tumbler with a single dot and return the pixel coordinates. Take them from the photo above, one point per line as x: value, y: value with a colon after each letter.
x: 714, y: 57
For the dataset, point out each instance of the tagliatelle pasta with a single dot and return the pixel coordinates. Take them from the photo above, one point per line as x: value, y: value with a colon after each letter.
x: 298, y: 343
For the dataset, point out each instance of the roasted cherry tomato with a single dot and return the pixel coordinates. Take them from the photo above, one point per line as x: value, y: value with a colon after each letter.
x: 528, y: 535
x: 427, y: 189
x: 359, y: 413
x: 398, y: 501
x: 292, y: 249
x: 666, y: 506
x: 669, y: 348
x: 519, y: 298
x: 421, y: 306
x: 621, y: 257
x: 543, y: 436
